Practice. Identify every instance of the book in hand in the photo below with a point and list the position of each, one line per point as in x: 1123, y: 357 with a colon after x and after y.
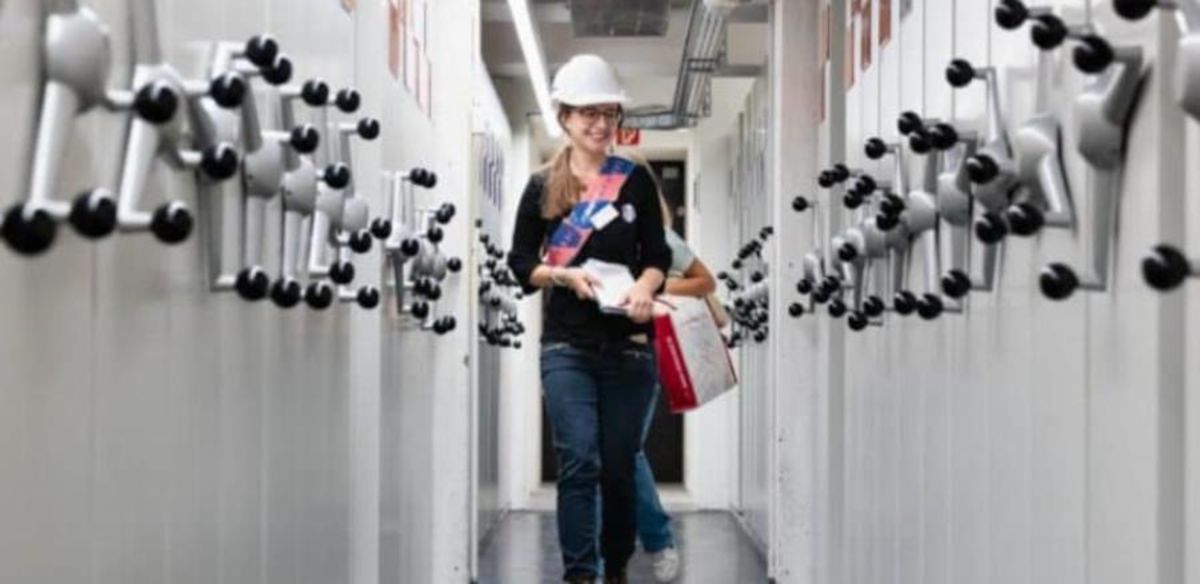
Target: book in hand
x: 615, y: 282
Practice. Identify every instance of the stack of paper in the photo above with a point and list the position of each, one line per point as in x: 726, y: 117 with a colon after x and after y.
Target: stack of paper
x: 615, y: 282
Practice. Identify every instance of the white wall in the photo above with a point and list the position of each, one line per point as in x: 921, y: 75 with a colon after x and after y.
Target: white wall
x: 710, y: 433
x: 156, y: 432
x: 1025, y: 440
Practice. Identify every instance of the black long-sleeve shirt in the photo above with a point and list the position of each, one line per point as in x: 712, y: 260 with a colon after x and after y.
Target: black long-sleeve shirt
x: 634, y: 238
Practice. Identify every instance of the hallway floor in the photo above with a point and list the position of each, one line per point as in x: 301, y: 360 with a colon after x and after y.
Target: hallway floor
x: 712, y: 547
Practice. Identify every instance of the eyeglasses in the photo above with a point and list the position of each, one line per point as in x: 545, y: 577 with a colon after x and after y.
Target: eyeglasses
x: 592, y: 115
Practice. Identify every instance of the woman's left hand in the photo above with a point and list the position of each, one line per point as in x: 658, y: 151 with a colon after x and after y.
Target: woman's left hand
x: 639, y: 304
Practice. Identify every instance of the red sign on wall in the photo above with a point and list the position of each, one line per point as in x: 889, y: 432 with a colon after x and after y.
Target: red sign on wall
x: 629, y: 136
x: 865, y: 19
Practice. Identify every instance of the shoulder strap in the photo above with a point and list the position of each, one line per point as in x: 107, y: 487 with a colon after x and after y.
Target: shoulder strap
x: 575, y: 230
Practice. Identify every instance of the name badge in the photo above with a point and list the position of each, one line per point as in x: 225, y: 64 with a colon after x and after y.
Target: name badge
x: 603, y: 217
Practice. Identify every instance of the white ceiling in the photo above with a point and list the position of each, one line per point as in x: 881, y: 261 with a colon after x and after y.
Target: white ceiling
x: 648, y: 65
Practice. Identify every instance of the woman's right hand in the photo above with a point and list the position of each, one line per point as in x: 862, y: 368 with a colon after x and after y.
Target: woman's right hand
x: 580, y: 281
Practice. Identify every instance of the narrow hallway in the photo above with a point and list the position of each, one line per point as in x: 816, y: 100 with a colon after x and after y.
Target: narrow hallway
x: 714, y: 549
x: 359, y: 291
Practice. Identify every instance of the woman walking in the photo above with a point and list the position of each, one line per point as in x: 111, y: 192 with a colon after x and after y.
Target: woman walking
x: 597, y: 368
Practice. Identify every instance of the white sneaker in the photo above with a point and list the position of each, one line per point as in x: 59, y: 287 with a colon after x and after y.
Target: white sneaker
x: 666, y: 565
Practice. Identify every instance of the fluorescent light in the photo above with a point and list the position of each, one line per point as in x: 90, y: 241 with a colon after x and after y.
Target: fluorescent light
x: 535, y: 62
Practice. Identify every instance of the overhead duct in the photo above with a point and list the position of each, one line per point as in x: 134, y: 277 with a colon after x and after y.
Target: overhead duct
x: 703, y: 55
x: 628, y: 18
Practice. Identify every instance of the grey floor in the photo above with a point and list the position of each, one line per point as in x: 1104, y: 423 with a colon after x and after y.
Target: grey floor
x: 523, y: 549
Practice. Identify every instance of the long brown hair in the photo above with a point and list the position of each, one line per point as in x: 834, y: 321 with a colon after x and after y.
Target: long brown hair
x: 562, y: 187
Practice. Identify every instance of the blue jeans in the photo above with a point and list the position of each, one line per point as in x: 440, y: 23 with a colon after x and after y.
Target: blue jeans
x: 597, y: 400
x: 654, y: 526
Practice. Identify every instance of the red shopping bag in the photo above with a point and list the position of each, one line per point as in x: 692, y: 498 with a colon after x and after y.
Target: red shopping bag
x: 693, y: 362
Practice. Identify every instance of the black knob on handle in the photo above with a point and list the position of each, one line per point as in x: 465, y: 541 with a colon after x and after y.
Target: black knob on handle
x: 381, y: 228
x: 420, y: 310
x: 347, y: 100
x: 865, y: 185
x: 286, y: 293
x: 423, y: 178
x: 368, y: 297
x: 981, y: 169
x: 857, y: 321
x: 909, y: 122
x: 28, y: 235
x: 804, y: 286
x: 454, y: 265
x: 1165, y: 268
x: 1093, y: 54
x: 336, y: 175
x: 1024, y: 219
x: 847, y: 252
x: 94, y: 214
x: 837, y: 308
x: 875, y: 148
x: 445, y: 213
x: 825, y: 179
x: 956, y: 284
x: 892, y: 205
x: 156, y: 103
x: 261, y: 50
x: 304, y: 139
x: 886, y: 222
x: 795, y: 310
x: 1010, y: 15
x: 852, y: 200
x: 1048, y: 31
x: 360, y: 241
x: 942, y: 136
x: 252, y: 284
x: 318, y: 295
x: 904, y: 303
x: 280, y: 72
x: 228, y: 89
x: 799, y: 204
x: 1058, y: 281
x: 831, y: 284
x: 171, y: 223
x: 840, y: 172
x: 929, y: 306
x: 1134, y: 9
x: 435, y: 234
x: 368, y: 128
x: 410, y: 247
x: 341, y: 272
x: 960, y: 73
x: 315, y: 92
x: 220, y: 161
x: 873, y: 306
x: 990, y: 228
x: 919, y: 142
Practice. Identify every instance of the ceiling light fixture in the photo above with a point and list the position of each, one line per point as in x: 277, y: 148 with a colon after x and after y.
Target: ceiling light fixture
x: 535, y: 63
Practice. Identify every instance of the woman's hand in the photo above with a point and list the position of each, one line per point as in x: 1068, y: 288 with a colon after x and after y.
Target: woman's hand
x: 578, y: 280
x: 639, y: 303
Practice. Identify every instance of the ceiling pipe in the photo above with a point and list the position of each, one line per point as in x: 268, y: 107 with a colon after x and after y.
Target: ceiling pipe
x: 704, y: 56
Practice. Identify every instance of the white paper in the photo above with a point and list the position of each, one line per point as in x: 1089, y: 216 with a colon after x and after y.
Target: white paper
x: 615, y: 282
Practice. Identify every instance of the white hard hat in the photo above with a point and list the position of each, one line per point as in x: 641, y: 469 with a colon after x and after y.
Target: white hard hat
x: 586, y: 80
